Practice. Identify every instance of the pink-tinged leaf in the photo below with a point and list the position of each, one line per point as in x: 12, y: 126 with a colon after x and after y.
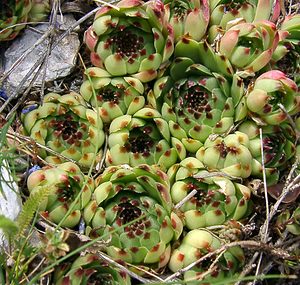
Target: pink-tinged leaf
x: 129, y: 3
x: 276, y: 11
x: 169, y: 48
x: 273, y: 74
x: 145, y: 76
x: 205, y: 10
x: 90, y: 38
x: 103, y: 10
x: 96, y: 60
x: 229, y: 41
x: 283, y: 35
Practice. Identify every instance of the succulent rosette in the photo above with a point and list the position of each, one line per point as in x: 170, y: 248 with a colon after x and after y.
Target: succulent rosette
x: 114, y: 96
x: 65, y: 182
x: 249, y: 46
x: 198, y: 242
x: 132, y: 39
x: 290, y: 221
x: 278, y: 148
x: 140, y: 196
x: 39, y: 10
x: 229, y: 154
x: 89, y: 269
x: 198, y: 102
x: 224, y: 11
x: 268, y: 91
x: 218, y: 276
x: 188, y: 17
x: 65, y: 124
x: 216, y: 201
x: 15, y: 12
x: 287, y: 54
x: 143, y: 137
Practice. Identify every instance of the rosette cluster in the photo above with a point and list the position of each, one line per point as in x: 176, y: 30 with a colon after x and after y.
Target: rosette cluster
x: 183, y: 107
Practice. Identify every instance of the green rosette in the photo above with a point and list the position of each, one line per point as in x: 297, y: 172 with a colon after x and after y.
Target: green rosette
x: 65, y: 124
x: 89, y: 269
x: 132, y: 39
x: 278, y: 147
x: 217, y: 199
x: 143, y: 137
x: 66, y: 182
x: 229, y: 154
x: 197, y: 102
x: 133, y: 207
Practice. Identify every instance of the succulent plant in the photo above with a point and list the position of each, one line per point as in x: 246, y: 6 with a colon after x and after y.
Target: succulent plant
x: 269, y: 90
x: 198, y: 102
x: 39, y: 10
x: 290, y: 221
x: 217, y: 198
x: 143, y: 137
x: 66, y: 125
x: 15, y: 12
x: 217, y: 276
x: 225, y: 11
x: 287, y: 54
x: 11, y: 13
x: 140, y: 195
x: 90, y: 269
x: 188, y: 18
x: 230, y: 154
x: 197, y: 243
x: 134, y: 40
x: 249, y: 46
x: 278, y: 147
x: 114, y: 96
x: 66, y: 182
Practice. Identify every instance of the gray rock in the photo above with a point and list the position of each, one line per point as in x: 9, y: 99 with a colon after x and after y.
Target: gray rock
x: 61, y: 61
x: 10, y: 201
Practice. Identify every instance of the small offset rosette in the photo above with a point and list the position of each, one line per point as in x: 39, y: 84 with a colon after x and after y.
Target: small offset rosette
x: 199, y: 242
x: 143, y: 137
x: 189, y: 18
x: 272, y: 98
x: 65, y: 182
x: 249, y: 46
x: 114, y: 96
x: 89, y: 269
x: 132, y: 39
x: 67, y: 126
x: 225, y: 11
x: 229, y: 154
x: 133, y: 207
x: 16, y: 12
x: 278, y: 148
x: 215, y: 200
